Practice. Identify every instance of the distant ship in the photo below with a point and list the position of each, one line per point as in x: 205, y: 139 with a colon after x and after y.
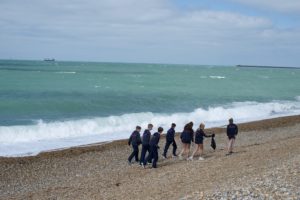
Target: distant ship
x: 49, y: 59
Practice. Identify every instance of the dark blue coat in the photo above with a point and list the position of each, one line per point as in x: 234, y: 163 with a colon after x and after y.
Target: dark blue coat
x: 200, y: 136
x: 135, y: 138
x: 232, y: 130
x: 155, y: 140
x: 146, y: 137
x: 170, y: 135
x: 187, y: 136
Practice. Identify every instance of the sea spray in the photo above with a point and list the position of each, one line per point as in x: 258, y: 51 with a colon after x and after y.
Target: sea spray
x: 68, y: 133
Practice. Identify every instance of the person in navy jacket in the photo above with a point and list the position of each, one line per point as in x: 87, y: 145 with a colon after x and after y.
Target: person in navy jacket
x: 187, y: 137
x: 153, y: 156
x: 199, y: 137
x: 145, y: 143
x: 170, y: 139
x: 135, y: 141
x: 232, y: 131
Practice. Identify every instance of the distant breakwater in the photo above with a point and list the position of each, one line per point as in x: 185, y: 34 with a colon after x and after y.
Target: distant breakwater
x: 265, y: 66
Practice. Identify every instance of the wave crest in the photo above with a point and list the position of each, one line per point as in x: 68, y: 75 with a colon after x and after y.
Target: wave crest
x: 70, y: 133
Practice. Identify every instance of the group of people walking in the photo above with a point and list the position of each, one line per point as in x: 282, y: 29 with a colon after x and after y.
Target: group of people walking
x: 150, y: 143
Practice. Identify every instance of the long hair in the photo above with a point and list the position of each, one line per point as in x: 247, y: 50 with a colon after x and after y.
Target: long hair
x: 189, y: 126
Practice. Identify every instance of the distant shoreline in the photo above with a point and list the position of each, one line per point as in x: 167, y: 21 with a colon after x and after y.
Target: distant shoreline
x: 265, y: 66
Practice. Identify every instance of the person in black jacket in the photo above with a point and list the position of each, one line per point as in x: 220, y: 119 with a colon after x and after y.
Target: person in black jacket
x: 145, y: 143
x: 153, y: 156
x: 170, y: 139
x: 232, y: 131
x: 187, y: 136
x: 135, y: 141
x: 199, y: 137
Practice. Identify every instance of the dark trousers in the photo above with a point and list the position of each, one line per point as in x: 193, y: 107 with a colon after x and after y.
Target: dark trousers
x: 168, y: 143
x: 135, y: 153
x: 145, y: 148
x: 153, y: 156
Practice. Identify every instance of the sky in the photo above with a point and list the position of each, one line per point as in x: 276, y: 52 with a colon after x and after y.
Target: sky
x: 214, y: 32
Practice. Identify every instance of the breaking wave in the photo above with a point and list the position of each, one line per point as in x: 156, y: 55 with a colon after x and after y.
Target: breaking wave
x: 31, y: 139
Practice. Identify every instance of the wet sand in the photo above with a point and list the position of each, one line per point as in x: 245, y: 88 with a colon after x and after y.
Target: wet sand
x: 265, y: 165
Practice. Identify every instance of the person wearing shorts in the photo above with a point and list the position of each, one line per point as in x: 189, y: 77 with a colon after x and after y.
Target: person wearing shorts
x: 187, y: 137
x: 199, y: 137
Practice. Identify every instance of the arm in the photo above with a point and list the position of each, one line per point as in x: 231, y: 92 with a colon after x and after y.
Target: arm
x: 139, y: 141
x: 236, y: 130
x: 227, y: 132
x: 204, y: 134
x: 173, y: 132
x: 157, y: 142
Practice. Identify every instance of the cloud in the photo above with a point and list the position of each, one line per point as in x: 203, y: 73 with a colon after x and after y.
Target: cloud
x: 138, y: 31
x: 292, y: 6
x: 135, y: 18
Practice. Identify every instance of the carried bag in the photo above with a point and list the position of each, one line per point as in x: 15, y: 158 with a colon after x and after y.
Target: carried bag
x: 213, y: 143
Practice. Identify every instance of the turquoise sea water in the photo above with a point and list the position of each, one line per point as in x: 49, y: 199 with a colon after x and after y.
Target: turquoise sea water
x: 56, y: 104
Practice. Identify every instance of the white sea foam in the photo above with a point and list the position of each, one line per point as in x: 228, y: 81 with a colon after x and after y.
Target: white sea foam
x: 217, y: 77
x: 65, y: 72
x: 31, y: 139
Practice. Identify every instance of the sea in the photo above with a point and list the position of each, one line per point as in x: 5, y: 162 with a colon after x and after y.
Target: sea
x: 56, y: 104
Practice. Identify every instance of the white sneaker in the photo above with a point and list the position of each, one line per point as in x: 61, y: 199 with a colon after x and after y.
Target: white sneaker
x: 190, y: 158
x: 180, y: 157
x: 201, y: 158
x: 164, y: 157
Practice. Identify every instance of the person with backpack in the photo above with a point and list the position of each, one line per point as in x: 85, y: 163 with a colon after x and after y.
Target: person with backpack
x: 232, y: 131
x: 187, y: 137
x: 170, y: 139
x: 153, y: 156
x: 145, y: 143
x: 199, y: 137
x: 135, y: 141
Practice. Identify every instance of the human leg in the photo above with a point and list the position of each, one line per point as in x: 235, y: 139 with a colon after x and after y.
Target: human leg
x: 134, y: 153
x: 155, y: 157
x: 232, y: 143
x: 182, y: 149
x: 200, y: 151
x: 166, y: 148
x: 174, y: 147
x: 143, y: 154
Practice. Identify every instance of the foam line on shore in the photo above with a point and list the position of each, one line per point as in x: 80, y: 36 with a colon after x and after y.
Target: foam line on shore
x: 76, y: 150
x: 32, y: 139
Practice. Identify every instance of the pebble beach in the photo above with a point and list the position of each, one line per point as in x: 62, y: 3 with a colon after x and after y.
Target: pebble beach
x: 265, y: 165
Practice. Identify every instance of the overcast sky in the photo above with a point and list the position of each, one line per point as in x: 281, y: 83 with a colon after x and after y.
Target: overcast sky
x: 222, y: 32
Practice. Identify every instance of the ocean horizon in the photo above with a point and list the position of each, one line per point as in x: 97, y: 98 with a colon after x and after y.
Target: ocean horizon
x: 56, y: 104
